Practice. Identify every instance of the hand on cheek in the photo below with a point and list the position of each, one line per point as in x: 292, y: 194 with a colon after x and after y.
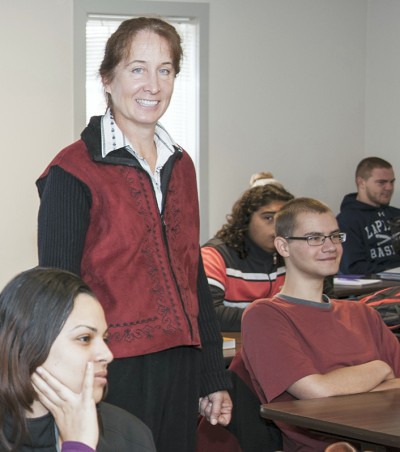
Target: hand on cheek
x: 74, y: 413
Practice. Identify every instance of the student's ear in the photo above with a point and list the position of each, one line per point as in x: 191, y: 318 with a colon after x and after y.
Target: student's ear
x: 360, y: 182
x: 281, y: 246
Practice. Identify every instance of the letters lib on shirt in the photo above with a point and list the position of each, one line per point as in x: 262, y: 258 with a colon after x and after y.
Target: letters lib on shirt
x: 380, y: 230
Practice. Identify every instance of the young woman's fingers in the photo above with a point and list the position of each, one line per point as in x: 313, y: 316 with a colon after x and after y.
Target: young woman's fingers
x: 51, y: 383
x: 87, y: 387
x: 42, y: 396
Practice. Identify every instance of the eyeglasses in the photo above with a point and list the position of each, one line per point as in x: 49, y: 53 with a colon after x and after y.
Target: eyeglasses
x: 318, y: 240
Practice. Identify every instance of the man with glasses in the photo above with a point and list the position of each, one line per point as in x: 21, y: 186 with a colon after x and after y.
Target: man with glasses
x: 302, y: 345
x: 366, y: 217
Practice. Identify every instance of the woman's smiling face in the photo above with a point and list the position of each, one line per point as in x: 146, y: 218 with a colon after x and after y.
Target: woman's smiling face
x: 82, y: 339
x: 142, y: 85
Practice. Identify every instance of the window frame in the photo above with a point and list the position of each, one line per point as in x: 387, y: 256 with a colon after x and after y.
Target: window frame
x: 82, y: 8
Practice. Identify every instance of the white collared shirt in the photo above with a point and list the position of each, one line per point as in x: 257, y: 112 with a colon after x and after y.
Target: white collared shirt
x: 112, y: 138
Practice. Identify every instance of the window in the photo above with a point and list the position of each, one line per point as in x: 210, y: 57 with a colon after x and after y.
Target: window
x: 187, y: 116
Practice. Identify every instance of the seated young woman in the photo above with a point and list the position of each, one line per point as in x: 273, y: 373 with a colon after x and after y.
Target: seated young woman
x: 53, y: 370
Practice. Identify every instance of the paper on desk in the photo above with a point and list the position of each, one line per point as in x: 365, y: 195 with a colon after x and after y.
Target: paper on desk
x: 228, y: 342
x: 354, y: 281
x: 393, y: 274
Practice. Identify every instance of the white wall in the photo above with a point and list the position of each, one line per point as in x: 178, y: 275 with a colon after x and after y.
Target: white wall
x: 382, y: 131
x: 35, y: 118
x: 303, y: 88
x: 287, y: 95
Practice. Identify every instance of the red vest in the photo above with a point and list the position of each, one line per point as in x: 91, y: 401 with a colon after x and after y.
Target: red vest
x: 142, y: 266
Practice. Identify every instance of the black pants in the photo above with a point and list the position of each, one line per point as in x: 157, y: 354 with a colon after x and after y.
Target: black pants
x: 162, y: 389
x: 254, y: 433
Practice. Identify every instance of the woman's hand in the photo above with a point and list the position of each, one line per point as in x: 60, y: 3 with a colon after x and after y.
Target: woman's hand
x: 74, y: 414
x: 216, y: 408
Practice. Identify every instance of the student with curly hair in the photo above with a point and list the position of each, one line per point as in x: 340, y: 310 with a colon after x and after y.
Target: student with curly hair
x: 240, y: 261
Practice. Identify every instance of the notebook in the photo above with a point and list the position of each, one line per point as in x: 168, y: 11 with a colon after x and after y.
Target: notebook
x: 346, y: 281
x: 393, y: 274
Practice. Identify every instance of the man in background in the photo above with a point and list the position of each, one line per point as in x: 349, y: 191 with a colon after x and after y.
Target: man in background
x: 365, y: 217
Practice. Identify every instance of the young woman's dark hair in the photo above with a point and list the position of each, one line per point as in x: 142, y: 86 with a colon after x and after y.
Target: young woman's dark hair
x: 233, y: 232
x: 33, y: 309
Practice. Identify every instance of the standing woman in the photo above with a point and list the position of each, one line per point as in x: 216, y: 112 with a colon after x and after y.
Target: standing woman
x: 119, y: 207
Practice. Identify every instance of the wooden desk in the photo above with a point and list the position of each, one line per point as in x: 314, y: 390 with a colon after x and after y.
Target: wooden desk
x: 347, y: 291
x: 372, y: 418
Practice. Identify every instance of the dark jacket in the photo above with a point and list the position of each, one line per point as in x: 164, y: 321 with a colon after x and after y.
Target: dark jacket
x: 120, y: 432
x: 368, y: 248
x: 236, y: 282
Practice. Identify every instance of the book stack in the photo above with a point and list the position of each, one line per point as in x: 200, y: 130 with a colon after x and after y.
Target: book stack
x: 228, y: 342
